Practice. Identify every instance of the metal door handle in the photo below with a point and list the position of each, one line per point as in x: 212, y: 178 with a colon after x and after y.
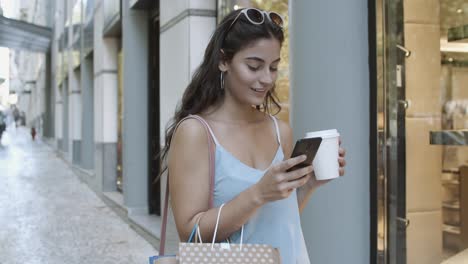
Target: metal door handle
x: 404, y: 103
x: 404, y: 221
x: 407, y: 52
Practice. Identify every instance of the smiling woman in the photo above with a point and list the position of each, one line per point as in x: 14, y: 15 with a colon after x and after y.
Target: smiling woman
x: 253, y: 68
x: 232, y: 99
x: 282, y: 81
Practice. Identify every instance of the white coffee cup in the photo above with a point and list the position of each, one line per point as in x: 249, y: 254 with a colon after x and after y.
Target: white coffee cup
x: 326, y: 160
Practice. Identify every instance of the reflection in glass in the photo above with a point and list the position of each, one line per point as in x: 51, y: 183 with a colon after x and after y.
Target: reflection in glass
x: 119, y: 180
x: 111, y: 16
x: 428, y: 111
x: 454, y: 99
x: 59, y: 70
x: 88, y: 26
x: 76, y: 33
x: 34, y: 12
x: 381, y: 150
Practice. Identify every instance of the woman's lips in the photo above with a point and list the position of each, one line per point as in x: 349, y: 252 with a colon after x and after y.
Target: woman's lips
x: 258, y: 90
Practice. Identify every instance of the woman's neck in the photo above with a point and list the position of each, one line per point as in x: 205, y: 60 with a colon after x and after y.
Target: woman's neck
x: 231, y: 111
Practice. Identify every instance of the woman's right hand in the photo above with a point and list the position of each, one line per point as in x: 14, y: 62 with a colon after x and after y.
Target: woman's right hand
x: 278, y: 184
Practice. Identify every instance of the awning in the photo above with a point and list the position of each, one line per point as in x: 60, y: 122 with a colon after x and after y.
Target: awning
x: 16, y: 34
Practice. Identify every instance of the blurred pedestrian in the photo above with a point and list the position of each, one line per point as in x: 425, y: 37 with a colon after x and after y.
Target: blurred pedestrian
x: 3, y: 124
x: 33, y: 133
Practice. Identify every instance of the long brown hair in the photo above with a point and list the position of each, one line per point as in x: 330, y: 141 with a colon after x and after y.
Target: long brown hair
x: 204, y: 89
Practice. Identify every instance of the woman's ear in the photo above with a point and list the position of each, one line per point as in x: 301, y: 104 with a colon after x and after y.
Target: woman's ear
x: 223, y: 64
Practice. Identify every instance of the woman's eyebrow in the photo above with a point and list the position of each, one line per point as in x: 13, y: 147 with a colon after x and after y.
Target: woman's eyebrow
x: 260, y: 59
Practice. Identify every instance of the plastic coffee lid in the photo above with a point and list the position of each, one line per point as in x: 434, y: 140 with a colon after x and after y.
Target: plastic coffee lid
x: 323, y: 134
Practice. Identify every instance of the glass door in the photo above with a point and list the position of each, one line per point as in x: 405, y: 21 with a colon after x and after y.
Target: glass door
x: 391, y: 107
x: 422, y: 131
x: 154, y: 187
x: 120, y: 106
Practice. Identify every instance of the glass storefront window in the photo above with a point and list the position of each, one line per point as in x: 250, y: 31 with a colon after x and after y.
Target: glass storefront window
x: 59, y: 68
x: 120, y: 106
x: 35, y: 12
x: 112, y: 18
x: 76, y: 33
x: 88, y: 26
x: 65, y: 57
x: 281, y: 7
x: 422, y: 128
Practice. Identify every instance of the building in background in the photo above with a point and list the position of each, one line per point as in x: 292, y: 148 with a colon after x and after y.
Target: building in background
x: 27, y: 71
x: 104, y: 91
x: 118, y: 68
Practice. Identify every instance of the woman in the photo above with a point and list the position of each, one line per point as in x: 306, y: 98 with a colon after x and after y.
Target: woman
x: 233, y: 91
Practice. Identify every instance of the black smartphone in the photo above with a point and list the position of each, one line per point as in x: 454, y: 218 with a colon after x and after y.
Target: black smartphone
x: 308, y: 147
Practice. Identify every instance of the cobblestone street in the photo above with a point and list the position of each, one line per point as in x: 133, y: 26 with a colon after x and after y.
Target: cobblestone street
x: 47, y: 215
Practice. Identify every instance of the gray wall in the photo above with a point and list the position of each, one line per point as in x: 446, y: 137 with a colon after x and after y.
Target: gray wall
x: 87, y: 93
x: 135, y: 116
x: 105, y: 96
x: 65, y: 109
x: 330, y: 89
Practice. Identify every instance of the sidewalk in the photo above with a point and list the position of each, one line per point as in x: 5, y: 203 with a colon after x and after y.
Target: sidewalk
x: 48, y: 216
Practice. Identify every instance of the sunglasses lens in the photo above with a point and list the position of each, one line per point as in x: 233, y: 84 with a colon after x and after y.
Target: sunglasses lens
x: 255, y: 15
x: 276, y: 19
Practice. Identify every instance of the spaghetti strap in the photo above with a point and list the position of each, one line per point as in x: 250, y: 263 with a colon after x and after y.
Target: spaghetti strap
x: 209, y: 128
x: 277, y: 129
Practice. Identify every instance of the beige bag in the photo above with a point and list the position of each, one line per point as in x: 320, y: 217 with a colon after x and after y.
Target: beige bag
x: 192, y: 253
x: 226, y: 253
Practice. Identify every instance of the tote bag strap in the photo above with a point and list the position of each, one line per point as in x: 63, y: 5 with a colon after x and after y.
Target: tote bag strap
x: 211, y: 153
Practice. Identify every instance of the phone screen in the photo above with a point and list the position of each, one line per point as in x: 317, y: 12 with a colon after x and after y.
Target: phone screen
x: 308, y: 147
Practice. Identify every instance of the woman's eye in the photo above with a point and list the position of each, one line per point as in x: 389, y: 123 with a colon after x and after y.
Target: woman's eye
x: 273, y: 69
x: 253, y: 68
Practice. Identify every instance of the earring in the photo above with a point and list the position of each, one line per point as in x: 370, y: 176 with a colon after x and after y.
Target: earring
x: 221, y: 80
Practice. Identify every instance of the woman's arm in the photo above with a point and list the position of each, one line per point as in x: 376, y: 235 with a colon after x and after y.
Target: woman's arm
x: 303, y: 195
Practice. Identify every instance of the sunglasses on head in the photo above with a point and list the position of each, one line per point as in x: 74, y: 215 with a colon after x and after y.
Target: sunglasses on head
x: 257, y: 17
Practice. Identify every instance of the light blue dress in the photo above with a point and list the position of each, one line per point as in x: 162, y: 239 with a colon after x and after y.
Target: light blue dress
x: 276, y: 223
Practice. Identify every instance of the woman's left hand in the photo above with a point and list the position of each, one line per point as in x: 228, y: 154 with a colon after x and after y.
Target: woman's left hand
x: 313, y: 183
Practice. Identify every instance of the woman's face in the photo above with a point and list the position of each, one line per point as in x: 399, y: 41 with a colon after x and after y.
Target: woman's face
x: 252, y: 72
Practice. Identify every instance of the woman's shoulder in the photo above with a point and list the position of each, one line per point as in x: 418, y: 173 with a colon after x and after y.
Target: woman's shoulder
x: 190, y: 131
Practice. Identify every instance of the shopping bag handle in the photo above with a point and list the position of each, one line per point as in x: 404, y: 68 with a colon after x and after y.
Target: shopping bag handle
x: 196, y: 230
x: 211, y: 151
x: 216, y: 230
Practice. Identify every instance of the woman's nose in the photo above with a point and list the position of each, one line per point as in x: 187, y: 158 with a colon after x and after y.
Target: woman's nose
x: 267, y: 77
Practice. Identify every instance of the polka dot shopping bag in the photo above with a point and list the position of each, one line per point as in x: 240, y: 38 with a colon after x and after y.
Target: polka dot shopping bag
x: 226, y: 253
